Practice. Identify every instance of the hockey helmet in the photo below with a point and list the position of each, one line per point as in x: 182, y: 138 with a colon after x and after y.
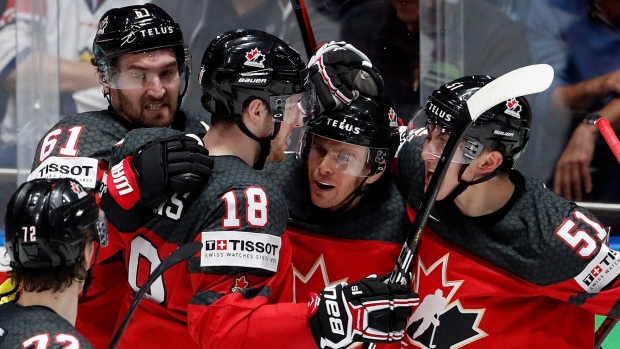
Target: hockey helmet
x: 504, y: 127
x: 45, y: 220
x: 368, y: 123
x: 244, y: 62
x: 138, y: 28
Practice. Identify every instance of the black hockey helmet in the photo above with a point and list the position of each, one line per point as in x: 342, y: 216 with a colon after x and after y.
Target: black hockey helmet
x: 368, y: 122
x: 242, y: 63
x: 45, y: 220
x: 138, y: 28
x: 504, y: 127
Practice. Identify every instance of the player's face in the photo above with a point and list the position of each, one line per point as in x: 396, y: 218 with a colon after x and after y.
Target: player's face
x: 147, y: 87
x: 330, y: 184
x: 293, y: 118
x: 433, y: 148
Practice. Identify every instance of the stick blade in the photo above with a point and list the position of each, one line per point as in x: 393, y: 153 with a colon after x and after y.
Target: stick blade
x: 519, y: 82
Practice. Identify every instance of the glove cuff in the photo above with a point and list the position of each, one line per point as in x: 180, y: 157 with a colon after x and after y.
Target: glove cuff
x: 122, y: 183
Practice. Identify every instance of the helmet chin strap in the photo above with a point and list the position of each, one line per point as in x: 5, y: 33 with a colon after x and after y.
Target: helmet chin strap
x: 460, y: 188
x: 265, y: 143
x: 354, y: 195
x: 89, y: 273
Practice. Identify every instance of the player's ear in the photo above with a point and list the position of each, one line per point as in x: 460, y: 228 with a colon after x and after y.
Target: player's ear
x: 256, y: 111
x: 490, y: 161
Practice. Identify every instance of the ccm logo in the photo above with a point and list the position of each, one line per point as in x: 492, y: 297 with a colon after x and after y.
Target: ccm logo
x: 121, y: 183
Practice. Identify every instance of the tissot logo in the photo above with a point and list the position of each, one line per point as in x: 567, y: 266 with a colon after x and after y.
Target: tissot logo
x: 241, y: 246
x: 241, y: 249
x: 440, y: 113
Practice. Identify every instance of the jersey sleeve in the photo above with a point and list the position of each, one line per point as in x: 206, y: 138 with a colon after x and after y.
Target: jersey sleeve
x: 581, y: 246
x: 244, y: 271
x: 78, y: 149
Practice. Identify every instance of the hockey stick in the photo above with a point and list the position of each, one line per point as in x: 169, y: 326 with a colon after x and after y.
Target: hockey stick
x: 179, y: 255
x: 610, y: 137
x: 303, y: 20
x: 519, y: 82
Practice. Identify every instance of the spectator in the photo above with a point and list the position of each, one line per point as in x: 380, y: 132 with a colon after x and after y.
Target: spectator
x: 491, y: 46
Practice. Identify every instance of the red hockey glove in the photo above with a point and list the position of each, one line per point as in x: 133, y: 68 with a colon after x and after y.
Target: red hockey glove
x: 339, y: 72
x: 176, y: 164
x: 366, y: 311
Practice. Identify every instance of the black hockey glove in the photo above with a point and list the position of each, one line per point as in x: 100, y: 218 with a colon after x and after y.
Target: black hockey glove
x: 176, y: 164
x: 339, y: 72
x: 366, y: 311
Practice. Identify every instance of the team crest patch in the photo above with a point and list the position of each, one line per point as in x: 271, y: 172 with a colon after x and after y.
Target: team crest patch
x: 255, y: 58
x: 241, y: 283
x: 102, y: 25
x: 513, y: 108
x: 393, y: 118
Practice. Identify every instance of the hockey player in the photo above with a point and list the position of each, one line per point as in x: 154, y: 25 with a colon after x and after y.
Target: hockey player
x: 343, y: 206
x: 142, y: 65
x: 506, y: 262
x: 52, y: 226
x: 237, y: 292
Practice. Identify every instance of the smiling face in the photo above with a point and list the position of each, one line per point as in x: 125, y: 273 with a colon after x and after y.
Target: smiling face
x: 144, y: 87
x: 335, y: 171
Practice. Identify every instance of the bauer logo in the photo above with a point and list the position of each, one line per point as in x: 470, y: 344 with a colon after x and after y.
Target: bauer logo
x: 83, y: 170
x: 602, y: 270
x: 240, y: 249
x: 252, y: 81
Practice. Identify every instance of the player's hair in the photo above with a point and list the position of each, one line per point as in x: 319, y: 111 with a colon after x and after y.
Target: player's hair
x: 56, y: 279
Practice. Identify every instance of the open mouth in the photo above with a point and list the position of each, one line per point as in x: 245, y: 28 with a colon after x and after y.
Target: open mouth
x: 154, y: 106
x: 323, y: 185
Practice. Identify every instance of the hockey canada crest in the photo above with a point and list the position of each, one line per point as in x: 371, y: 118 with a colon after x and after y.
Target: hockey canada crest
x: 513, y: 108
x: 255, y: 58
x: 102, y: 25
x: 393, y: 118
x: 241, y: 283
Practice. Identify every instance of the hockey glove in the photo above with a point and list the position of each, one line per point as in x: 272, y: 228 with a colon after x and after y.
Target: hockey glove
x: 366, y: 311
x: 339, y: 72
x: 176, y: 164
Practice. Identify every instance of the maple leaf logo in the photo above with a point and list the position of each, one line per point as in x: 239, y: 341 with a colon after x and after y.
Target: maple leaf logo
x: 255, y: 58
x: 241, y: 283
x: 102, y: 25
x: 250, y: 55
x: 393, y: 117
